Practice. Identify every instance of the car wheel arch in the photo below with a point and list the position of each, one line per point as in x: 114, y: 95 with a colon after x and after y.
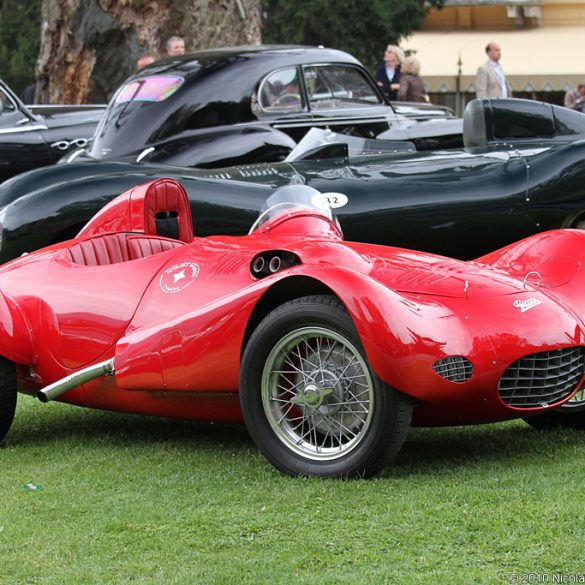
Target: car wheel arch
x: 577, y: 221
x: 281, y: 292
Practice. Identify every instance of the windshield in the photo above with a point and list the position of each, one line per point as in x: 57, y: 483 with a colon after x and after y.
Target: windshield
x: 290, y: 199
x: 322, y: 144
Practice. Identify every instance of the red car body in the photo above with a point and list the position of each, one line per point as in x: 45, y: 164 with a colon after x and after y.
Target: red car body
x: 459, y: 342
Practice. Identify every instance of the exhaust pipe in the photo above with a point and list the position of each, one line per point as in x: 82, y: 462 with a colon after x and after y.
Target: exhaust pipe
x: 258, y: 265
x: 57, y: 388
x: 274, y: 264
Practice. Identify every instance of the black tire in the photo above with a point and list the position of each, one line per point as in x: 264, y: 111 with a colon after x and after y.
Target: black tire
x: 7, y: 395
x: 336, y: 418
x: 563, y: 417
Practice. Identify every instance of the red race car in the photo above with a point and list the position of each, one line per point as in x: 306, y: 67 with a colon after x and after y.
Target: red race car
x: 325, y: 348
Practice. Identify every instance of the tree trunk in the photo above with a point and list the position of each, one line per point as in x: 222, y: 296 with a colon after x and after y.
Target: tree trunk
x: 89, y: 47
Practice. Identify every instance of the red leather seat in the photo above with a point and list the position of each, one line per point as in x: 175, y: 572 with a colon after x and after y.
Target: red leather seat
x: 114, y: 248
x: 167, y: 211
x: 141, y: 246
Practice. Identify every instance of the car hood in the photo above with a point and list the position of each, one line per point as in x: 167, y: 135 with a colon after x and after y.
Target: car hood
x: 417, y: 273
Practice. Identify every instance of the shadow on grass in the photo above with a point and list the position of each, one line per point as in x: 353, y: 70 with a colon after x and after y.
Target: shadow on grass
x: 55, y: 422
x: 429, y: 450
x: 432, y: 450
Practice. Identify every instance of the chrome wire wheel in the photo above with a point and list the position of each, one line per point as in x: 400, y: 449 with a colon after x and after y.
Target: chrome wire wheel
x: 311, y: 401
x: 317, y: 393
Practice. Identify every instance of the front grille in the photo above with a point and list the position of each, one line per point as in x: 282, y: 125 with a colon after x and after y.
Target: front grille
x: 542, y: 378
x: 454, y: 368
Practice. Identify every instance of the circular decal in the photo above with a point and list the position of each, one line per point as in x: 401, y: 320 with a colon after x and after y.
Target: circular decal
x: 178, y: 277
x: 331, y: 200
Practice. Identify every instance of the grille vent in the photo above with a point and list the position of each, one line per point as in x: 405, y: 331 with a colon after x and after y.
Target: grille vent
x: 454, y: 368
x: 542, y: 378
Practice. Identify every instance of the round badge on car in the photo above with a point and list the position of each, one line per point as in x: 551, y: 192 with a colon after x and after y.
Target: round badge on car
x: 178, y: 277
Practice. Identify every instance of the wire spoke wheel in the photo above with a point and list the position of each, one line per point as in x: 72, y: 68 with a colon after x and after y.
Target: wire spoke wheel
x: 317, y: 393
x: 310, y: 399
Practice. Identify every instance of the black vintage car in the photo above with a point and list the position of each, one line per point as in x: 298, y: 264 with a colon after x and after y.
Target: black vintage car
x: 242, y: 105
x: 36, y: 136
x: 522, y: 172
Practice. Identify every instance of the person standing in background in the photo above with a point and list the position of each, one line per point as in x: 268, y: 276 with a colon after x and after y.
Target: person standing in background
x: 144, y: 61
x: 491, y: 81
x: 575, y: 97
x: 387, y: 75
x: 412, y: 87
x: 175, y: 46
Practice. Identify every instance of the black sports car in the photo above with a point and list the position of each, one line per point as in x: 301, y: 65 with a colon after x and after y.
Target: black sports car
x: 242, y: 105
x: 522, y: 172
x: 36, y: 136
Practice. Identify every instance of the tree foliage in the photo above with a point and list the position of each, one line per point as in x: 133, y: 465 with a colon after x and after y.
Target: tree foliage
x: 20, y: 25
x: 360, y: 28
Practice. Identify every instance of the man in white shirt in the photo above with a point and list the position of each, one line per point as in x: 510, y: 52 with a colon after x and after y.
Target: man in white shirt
x: 491, y: 81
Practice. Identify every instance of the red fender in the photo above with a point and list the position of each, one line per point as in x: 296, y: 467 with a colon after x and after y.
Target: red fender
x: 394, y: 330
x: 16, y: 342
x: 557, y: 256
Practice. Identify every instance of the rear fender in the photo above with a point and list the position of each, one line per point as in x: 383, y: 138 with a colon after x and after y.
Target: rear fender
x: 553, y: 261
x: 223, y: 147
x: 16, y: 342
x: 547, y: 260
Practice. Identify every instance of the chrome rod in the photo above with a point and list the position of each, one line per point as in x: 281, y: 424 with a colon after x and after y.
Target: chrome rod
x: 57, y: 388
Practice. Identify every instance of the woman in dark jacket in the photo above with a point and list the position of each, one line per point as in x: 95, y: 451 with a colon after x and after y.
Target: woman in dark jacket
x: 387, y: 75
x: 412, y: 87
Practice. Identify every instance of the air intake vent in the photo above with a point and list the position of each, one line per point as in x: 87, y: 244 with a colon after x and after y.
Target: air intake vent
x: 542, y: 378
x: 454, y: 368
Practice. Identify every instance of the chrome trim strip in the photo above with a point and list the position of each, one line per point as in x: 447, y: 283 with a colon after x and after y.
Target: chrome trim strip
x: 330, y: 122
x: 15, y: 129
x: 74, y: 155
x: 145, y: 153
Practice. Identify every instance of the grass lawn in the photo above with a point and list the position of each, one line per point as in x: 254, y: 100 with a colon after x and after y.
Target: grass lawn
x: 130, y: 499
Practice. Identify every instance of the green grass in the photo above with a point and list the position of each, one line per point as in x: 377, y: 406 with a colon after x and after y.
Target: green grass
x: 131, y: 499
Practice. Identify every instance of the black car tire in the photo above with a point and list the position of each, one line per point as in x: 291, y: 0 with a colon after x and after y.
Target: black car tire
x: 564, y: 417
x: 8, y: 394
x: 311, y: 402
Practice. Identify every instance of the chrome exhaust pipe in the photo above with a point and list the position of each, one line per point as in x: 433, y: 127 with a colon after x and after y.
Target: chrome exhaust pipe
x: 57, y: 388
x: 274, y: 264
x: 258, y: 265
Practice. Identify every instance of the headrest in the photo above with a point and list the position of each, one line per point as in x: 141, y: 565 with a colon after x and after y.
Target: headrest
x: 160, y: 207
x: 474, y: 125
x: 167, y: 211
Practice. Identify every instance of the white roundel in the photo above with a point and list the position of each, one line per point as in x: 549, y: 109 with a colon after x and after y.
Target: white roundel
x: 329, y: 200
x: 178, y: 277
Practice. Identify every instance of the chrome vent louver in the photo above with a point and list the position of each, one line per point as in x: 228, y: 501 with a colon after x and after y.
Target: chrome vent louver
x: 542, y: 378
x: 454, y: 368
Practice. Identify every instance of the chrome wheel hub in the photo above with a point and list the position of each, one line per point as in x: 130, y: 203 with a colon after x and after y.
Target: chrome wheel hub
x: 317, y: 393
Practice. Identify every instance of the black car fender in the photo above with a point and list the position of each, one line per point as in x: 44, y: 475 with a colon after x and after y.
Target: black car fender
x: 227, y: 146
